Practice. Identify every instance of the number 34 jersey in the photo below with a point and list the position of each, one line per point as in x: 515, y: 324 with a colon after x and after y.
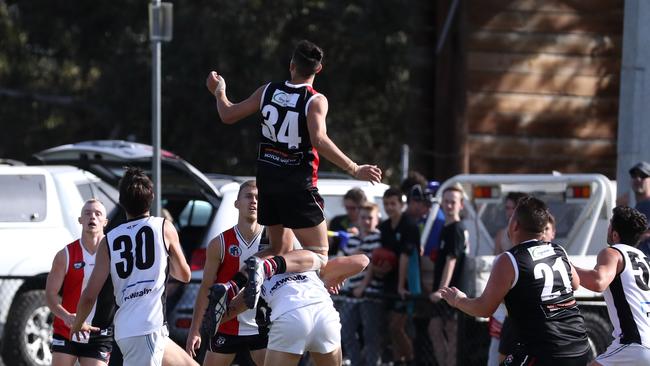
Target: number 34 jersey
x: 139, y: 267
x: 286, y: 159
x: 541, y: 303
x: 628, y: 298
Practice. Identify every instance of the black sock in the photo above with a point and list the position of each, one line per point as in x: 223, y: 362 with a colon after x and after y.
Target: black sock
x: 281, y: 264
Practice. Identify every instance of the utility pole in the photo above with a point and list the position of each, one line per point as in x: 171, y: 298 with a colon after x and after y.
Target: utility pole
x: 160, y: 29
x: 634, y: 109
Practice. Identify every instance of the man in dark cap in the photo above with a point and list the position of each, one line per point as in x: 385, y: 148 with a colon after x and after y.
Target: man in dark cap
x: 639, y: 197
x: 640, y: 186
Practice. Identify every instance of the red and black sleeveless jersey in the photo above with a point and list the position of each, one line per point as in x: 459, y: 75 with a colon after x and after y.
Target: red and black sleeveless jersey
x: 234, y: 251
x: 286, y: 160
x: 541, y: 303
x: 79, y: 266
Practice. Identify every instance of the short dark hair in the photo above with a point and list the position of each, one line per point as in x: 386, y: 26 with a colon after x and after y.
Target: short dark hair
x: 629, y: 223
x: 356, y: 195
x: 532, y: 214
x: 307, y: 57
x: 393, y: 192
x: 136, y: 191
x: 515, y: 196
x: 413, y: 178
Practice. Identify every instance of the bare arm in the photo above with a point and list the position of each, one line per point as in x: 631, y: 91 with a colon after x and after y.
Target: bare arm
x: 361, y: 287
x: 179, y: 269
x: 608, y: 264
x: 496, y: 289
x: 232, y: 112
x: 326, y: 147
x: 53, y: 286
x: 212, y: 264
x: 447, y: 271
x: 95, y: 283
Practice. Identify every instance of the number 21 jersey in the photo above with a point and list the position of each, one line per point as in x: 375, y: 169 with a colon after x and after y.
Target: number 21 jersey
x: 286, y: 160
x: 139, y: 267
x: 541, y: 303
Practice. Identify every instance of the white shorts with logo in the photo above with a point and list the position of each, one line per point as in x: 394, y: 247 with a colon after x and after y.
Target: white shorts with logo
x: 144, y: 350
x: 632, y: 354
x: 315, y: 328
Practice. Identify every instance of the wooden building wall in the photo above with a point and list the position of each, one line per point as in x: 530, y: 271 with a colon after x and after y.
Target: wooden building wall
x: 542, y: 85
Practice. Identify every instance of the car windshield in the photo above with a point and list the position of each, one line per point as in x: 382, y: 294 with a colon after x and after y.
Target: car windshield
x: 23, y: 198
x: 484, y: 216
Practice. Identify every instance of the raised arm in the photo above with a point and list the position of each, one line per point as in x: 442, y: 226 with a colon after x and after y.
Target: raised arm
x: 212, y: 264
x: 326, y: 147
x: 178, y: 267
x: 53, y: 286
x: 232, y: 112
x: 497, y: 287
x: 608, y: 264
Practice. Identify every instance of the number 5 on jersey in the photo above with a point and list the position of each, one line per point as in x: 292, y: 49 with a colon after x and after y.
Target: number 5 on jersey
x: 288, y: 133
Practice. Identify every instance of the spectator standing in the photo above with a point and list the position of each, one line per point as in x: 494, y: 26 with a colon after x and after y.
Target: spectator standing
x: 400, y: 234
x: 639, y: 187
x: 358, y: 313
x: 443, y: 328
x: 639, y: 198
x: 501, y: 241
x: 348, y: 222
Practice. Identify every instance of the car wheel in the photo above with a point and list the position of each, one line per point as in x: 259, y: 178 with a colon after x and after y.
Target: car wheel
x: 28, y: 332
x: 599, y: 332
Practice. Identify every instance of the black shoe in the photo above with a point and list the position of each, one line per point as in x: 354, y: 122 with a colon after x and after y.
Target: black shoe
x: 255, y: 273
x: 217, y: 307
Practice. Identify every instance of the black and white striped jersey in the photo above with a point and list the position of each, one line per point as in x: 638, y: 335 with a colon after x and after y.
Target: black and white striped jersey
x: 628, y: 298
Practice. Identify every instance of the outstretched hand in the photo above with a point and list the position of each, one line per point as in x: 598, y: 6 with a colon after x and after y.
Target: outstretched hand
x: 371, y: 173
x: 452, y: 295
x: 215, y: 83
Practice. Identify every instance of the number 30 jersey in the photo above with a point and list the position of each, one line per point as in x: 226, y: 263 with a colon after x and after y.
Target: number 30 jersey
x: 628, y: 298
x: 139, y: 267
x: 286, y: 160
x: 541, y: 303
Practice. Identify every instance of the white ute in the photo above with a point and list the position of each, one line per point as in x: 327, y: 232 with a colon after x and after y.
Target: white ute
x: 582, y: 205
x: 38, y: 216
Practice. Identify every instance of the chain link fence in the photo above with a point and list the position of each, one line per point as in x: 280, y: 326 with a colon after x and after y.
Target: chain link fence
x: 374, y: 333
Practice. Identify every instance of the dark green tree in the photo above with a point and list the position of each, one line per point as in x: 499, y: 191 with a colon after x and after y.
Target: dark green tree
x: 72, y: 71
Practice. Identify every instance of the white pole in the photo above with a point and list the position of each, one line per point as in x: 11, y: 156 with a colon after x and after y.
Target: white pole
x: 405, y: 161
x: 155, y: 109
